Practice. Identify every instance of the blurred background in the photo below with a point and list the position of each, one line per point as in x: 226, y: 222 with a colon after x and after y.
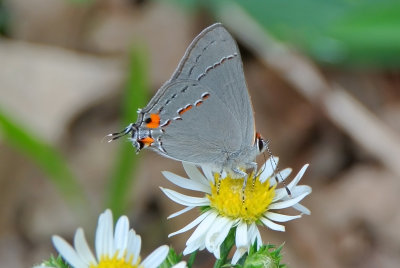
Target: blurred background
x: 325, y: 83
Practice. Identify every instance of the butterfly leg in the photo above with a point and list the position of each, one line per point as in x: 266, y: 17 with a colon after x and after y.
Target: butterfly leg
x: 237, y: 173
x: 253, y: 166
x: 241, y: 174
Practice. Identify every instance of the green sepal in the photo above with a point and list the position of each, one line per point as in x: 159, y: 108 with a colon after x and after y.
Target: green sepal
x: 172, y: 259
x: 55, y: 263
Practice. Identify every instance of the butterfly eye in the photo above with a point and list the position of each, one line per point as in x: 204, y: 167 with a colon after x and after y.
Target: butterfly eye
x: 262, y: 144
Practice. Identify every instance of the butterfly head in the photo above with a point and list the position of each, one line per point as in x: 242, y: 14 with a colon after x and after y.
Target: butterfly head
x: 261, y: 144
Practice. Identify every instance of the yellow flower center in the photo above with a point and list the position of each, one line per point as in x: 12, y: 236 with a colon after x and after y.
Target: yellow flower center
x: 116, y: 262
x: 230, y: 199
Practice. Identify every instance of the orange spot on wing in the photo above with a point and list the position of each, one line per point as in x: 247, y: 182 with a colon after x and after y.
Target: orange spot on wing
x: 154, y: 122
x: 199, y: 103
x: 147, y: 141
x: 185, y: 109
x: 205, y: 96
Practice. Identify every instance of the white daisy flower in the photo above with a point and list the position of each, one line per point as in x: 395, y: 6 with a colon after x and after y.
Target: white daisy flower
x: 117, y: 249
x: 225, y: 204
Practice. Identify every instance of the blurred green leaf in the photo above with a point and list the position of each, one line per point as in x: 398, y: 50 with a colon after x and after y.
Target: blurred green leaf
x: 333, y: 32
x: 46, y: 157
x: 4, y: 19
x: 372, y: 33
x: 135, y: 96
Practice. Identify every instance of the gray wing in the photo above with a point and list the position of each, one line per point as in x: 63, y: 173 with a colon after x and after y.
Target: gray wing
x: 213, y: 59
x: 205, y: 133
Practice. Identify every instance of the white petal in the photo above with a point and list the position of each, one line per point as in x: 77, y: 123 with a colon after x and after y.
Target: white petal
x: 98, y: 237
x: 192, y: 224
x: 241, y: 238
x: 186, y: 183
x: 283, y: 174
x: 134, y: 246
x: 302, y: 209
x: 109, y: 242
x: 281, y: 194
x: 252, y: 233
x: 67, y: 252
x: 156, y: 258
x: 236, y: 256
x: 180, y: 212
x: 195, y: 174
x: 268, y: 168
x: 273, y: 225
x: 203, y: 227
x: 212, y: 242
x: 279, y: 217
x: 298, y: 177
x: 82, y: 248
x: 197, y: 244
x: 224, y: 233
x: 297, y: 190
x: 300, y: 189
x: 137, y: 242
x: 185, y: 199
x: 121, y: 235
x: 208, y: 172
x: 258, y: 237
x: 218, y: 240
x: 241, y: 241
x: 104, y: 235
x: 287, y: 203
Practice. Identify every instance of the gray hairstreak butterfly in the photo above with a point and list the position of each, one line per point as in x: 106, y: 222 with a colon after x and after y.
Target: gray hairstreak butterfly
x: 202, y: 115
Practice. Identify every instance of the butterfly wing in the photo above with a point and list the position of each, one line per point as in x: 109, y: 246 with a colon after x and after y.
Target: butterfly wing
x: 205, y: 110
x: 213, y: 59
x: 201, y: 129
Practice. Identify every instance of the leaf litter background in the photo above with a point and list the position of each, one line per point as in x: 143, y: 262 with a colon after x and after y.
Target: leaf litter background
x: 324, y: 81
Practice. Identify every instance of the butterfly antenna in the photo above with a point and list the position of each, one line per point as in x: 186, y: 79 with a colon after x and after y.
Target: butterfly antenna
x: 114, y: 136
x: 277, y: 169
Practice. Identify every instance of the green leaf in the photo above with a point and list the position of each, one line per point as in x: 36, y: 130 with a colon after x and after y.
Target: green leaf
x: 336, y: 32
x: 46, y: 157
x: 135, y: 96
